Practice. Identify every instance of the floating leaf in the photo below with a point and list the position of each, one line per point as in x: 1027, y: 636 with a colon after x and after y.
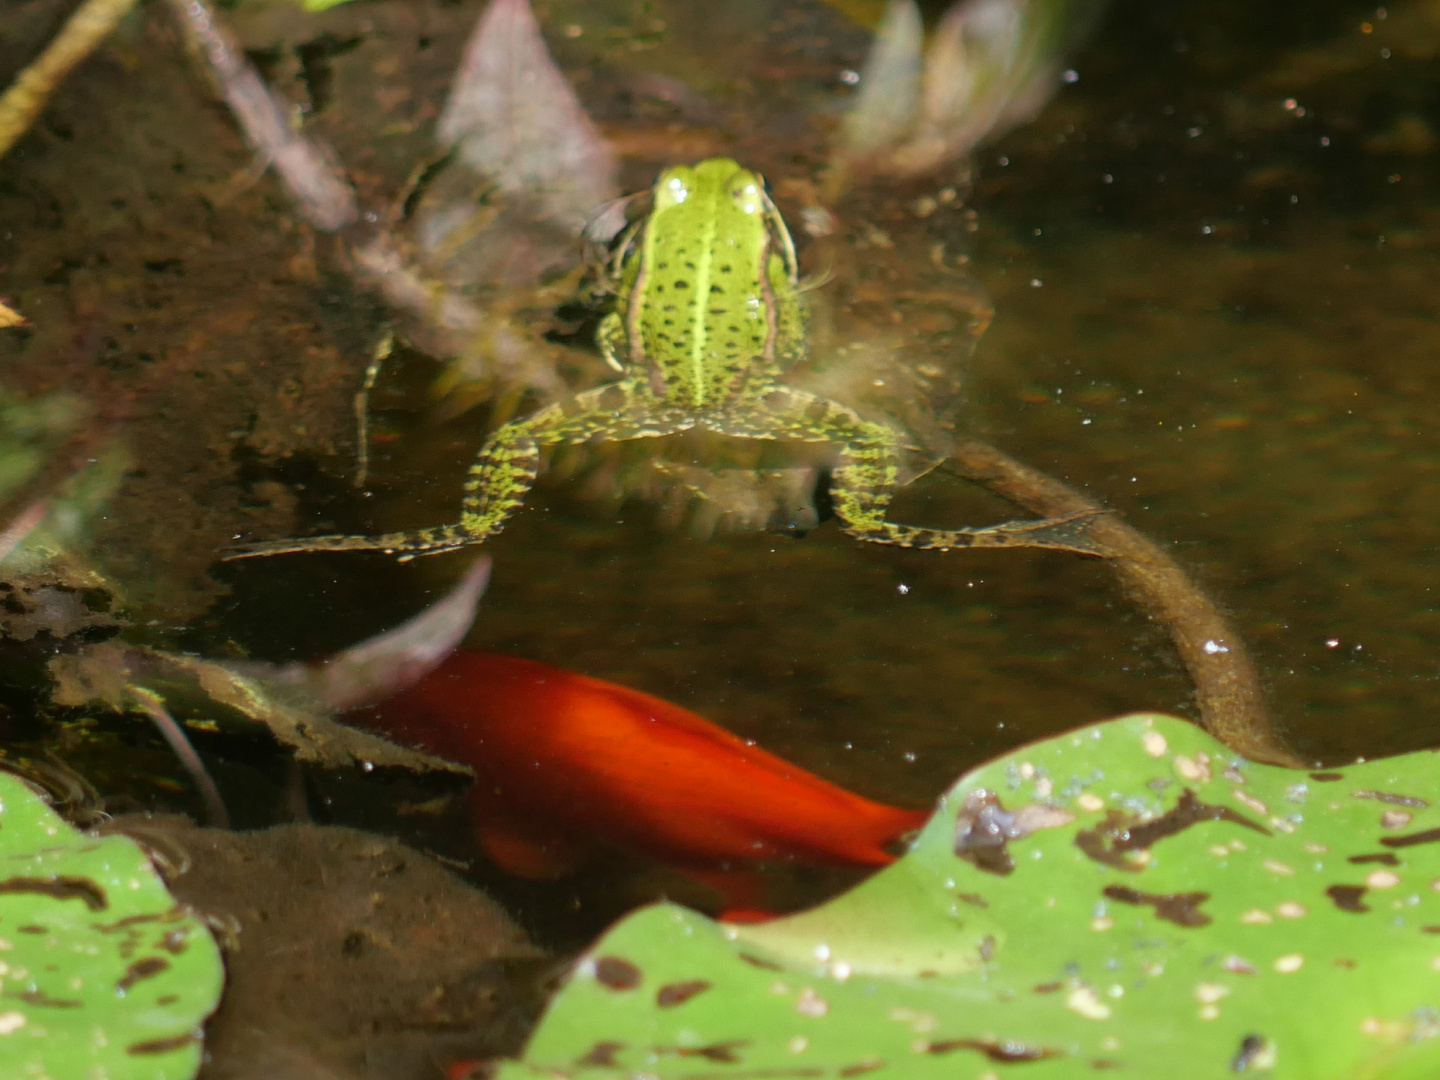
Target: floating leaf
x: 103, y: 973
x: 1130, y: 899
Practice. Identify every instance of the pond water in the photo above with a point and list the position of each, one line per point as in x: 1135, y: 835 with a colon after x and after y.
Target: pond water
x: 1211, y: 260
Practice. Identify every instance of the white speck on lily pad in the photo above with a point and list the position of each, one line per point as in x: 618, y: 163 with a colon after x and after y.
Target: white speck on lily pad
x: 1196, y: 769
x: 1085, y: 1002
x: 1207, y: 993
x: 809, y: 1003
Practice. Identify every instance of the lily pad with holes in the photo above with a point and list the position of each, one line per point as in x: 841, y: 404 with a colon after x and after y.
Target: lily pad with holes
x: 102, y: 973
x: 1127, y: 900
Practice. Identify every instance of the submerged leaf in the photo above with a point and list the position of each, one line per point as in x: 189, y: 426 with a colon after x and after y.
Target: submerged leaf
x: 311, y: 734
x: 393, y: 661
x: 487, y: 247
x: 889, y: 97
x: 514, y: 118
x: 1147, y: 898
x: 189, y: 685
x: 991, y: 64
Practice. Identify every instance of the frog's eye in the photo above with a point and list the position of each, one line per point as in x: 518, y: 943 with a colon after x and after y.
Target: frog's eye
x: 678, y: 191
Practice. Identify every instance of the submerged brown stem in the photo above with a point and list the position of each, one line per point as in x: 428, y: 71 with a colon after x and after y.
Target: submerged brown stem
x: 151, y: 704
x: 1227, y: 687
x: 32, y: 88
x: 322, y: 194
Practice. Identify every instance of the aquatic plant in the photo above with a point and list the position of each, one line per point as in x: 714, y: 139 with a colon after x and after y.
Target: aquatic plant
x: 23, y: 101
x: 1130, y: 897
x: 103, y: 974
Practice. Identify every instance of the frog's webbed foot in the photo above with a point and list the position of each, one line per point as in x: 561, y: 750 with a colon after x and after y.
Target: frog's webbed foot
x: 1071, y: 533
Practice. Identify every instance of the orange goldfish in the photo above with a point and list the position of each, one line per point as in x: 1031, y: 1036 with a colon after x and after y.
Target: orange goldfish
x: 563, y: 761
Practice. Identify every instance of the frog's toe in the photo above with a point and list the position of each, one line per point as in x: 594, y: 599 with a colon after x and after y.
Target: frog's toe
x: 1073, y: 532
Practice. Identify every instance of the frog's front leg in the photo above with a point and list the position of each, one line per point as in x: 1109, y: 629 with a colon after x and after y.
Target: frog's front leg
x: 866, y: 477
x: 504, y: 472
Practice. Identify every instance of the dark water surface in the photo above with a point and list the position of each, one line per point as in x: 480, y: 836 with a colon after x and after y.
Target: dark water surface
x: 1212, y: 261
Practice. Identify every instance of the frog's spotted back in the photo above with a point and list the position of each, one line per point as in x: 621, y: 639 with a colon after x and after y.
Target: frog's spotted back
x: 698, y: 292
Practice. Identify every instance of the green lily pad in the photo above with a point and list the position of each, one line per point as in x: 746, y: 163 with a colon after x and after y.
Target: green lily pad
x: 102, y: 974
x: 1128, y: 900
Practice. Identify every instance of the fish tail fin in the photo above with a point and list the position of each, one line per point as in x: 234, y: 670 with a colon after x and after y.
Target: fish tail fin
x: 745, y: 915
x: 519, y: 848
x: 743, y: 892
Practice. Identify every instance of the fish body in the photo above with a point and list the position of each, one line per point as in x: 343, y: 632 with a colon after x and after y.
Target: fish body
x: 566, y: 763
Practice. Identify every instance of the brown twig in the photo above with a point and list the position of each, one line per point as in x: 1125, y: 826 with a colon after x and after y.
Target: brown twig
x: 317, y: 185
x: 1227, y: 687
x: 153, y: 706
x: 32, y: 88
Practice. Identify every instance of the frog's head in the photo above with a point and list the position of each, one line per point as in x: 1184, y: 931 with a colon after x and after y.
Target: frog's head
x: 711, y: 177
x: 721, y: 187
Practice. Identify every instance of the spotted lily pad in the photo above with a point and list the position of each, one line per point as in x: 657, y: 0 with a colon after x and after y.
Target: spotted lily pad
x: 102, y: 974
x: 1128, y: 900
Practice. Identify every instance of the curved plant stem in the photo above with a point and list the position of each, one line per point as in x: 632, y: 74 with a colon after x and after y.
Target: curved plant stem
x: 26, y: 522
x: 1227, y: 687
x: 151, y: 704
x: 77, y: 39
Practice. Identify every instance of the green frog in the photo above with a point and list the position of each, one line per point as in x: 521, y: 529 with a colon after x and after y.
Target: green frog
x: 708, y: 318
